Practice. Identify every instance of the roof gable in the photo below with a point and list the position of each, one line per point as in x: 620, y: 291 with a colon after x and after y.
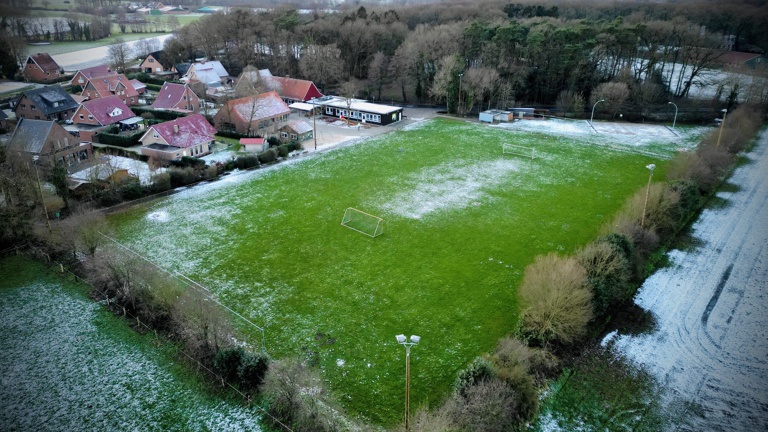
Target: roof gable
x: 30, y: 135
x: 108, y: 84
x: 258, y: 107
x: 169, y: 96
x: 50, y: 99
x: 215, y: 65
x: 97, y: 71
x: 108, y: 110
x: 44, y: 61
x: 157, y: 55
x: 184, y: 132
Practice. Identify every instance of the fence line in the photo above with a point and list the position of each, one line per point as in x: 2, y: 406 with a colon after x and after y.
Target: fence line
x: 127, y: 314
x: 194, y: 284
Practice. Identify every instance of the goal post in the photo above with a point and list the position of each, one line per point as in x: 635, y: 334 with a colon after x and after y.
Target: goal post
x: 363, y: 222
x: 518, y: 150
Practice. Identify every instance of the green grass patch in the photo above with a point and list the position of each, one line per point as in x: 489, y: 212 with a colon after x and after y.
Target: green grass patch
x: 68, y: 364
x: 462, y: 223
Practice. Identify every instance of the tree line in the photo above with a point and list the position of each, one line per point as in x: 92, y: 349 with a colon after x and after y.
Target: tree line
x: 495, y: 54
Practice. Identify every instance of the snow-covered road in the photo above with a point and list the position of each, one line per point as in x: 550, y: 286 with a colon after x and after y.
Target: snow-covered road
x: 711, y: 342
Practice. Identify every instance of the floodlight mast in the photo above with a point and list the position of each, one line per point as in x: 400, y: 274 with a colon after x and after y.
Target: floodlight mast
x: 407, y: 344
x: 651, y: 167
x: 675, y: 119
x: 593, y: 111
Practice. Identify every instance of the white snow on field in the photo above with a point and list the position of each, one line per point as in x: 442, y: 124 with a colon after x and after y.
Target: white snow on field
x: 62, y: 369
x: 711, y: 346
x: 631, y: 135
x: 448, y: 186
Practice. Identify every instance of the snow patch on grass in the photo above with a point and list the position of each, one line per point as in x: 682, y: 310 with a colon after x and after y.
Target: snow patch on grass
x: 449, y: 186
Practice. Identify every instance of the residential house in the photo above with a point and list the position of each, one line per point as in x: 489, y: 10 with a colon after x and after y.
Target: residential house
x: 359, y: 110
x: 156, y: 62
x: 46, y: 143
x: 260, y: 114
x: 290, y: 89
x: 742, y: 59
x: 111, y: 85
x: 209, y: 73
x: 177, y: 97
x: 254, y: 145
x: 46, y: 103
x: 102, y: 112
x: 41, y: 68
x: 186, y: 136
x: 297, y: 130
x: 82, y: 76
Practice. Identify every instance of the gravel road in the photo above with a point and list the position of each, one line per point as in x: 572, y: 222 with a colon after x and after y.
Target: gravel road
x: 711, y: 342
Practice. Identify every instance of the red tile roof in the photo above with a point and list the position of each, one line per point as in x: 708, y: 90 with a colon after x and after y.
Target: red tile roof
x: 255, y: 108
x: 45, y: 61
x: 735, y: 57
x: 297, y: 89
x: 108, y: 110
x: 169, y: 96
x: 106, y: 85
x: 97, y: 71
x: 189, y: 131
x: 245, y: 141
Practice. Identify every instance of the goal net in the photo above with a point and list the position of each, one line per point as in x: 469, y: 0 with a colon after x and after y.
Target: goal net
x: 517, y: 150
x: 363, y: 222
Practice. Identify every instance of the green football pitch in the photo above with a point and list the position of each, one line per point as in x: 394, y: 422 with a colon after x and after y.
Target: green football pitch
x: 462, y: 221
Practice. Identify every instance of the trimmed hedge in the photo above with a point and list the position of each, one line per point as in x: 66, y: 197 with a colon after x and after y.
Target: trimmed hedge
x: 161, y: 115
x: 119, y: 140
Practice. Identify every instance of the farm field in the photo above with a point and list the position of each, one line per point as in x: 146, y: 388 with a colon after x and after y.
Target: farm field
x: 461, y: 224
x: 68, y: 364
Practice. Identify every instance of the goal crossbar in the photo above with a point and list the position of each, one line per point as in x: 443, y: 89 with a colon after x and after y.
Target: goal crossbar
x: 362, y: 222
x: 518, y: 150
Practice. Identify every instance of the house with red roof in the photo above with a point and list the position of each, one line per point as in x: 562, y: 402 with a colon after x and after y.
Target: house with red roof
x: 186, y: 136
x: 41, y: 68
x: 102, y: 112
x: 177, y: 97
x: 295, y: 90
x: 82, y: 76
x: 260, y: 114
x: 111, y: 85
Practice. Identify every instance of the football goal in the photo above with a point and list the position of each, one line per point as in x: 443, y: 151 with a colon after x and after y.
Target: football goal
x: 363, y: 222
x: 512, y: 149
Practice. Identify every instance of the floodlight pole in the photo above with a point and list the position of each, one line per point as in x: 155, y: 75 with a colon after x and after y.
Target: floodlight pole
x: 593, y: 111
x: 675, y: 119
x: 647, y: 192
x: 720, y: 135
x: 314, y: 124
x: 459, y: 107
x: 402, y: 341
x: 42, y: 198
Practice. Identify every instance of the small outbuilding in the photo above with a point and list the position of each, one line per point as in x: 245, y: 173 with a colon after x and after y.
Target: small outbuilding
x: 496, y: 116
x: 254, y: 145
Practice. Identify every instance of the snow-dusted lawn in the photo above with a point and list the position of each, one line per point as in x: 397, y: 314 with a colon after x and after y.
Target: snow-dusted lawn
x: 68, y: 365
x: 711, y: 347
x: 461, y: 223
x: 107, y: 164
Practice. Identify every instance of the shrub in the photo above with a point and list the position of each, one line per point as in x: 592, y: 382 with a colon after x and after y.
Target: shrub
x: 268, y: 156
x: 228, y: 361
x: 687, y: 166
x: 489, y: 406
x: 660, y: 204
x: 273, y: 141
x: 644, y: 240
x: 246, y: 161
x: 161, y: 182
x: 187, y: 161
x: 252, y: 370
x: 108, y: 197
x: 511, y: 353
x: 296, y: 397
x: 131, y: 190
x: 284, y: 149
x: 183, y: 176
x: 609, y: 274
x: 479, y: 370
x: 556, y: 300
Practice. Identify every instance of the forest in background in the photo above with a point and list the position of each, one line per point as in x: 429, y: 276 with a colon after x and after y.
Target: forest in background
x: 498, y: 54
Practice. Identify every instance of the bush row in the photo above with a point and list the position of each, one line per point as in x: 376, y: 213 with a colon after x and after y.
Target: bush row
x: 158, y: 114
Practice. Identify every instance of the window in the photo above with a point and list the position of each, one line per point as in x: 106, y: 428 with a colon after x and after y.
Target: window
x: 23, y: 106
x: 81, y: 117
x: 33, y: 107
x: 90, y: 117
x: 81, y: 80
x: 151, y: 60
x: 283, y: 134
x: 155, y: 135
x: 293, y: 136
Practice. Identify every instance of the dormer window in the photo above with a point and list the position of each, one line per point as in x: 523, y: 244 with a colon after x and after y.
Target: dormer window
x: 116, y: 112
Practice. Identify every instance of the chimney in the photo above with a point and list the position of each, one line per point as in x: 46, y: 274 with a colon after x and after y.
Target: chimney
x: 175, y: 128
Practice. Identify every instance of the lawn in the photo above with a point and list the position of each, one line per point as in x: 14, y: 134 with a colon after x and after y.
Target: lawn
x: 461, y: 224
x: 68, y: 364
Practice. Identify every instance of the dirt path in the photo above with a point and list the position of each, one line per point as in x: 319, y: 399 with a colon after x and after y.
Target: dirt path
x: 711, y: 344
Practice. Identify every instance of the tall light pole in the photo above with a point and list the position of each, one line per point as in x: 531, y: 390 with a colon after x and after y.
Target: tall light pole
x: 42, y: 198
x: 314, y: 125
x: 647, y: 192
x: 459, y: 107
x: 722, y: 123
x: 593, y: 111
x: 404, y: 342
x: 675, y: 119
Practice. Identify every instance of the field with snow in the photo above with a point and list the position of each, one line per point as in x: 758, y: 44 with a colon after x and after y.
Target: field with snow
x: 461, y: 223
x: 67, y: 364
x: 711, y: 345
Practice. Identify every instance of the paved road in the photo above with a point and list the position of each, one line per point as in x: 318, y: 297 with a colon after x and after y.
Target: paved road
x: 711, y: 346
